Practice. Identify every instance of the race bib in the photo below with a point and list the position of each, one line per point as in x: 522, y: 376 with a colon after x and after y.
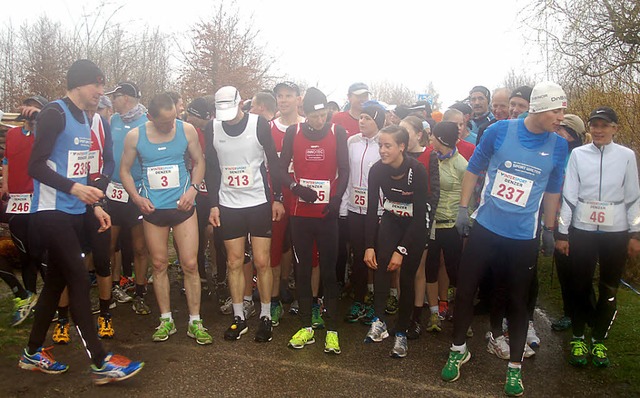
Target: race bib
x: 237, y: 176
x: 117, y: 193
x: 399, y: 209
x: 511, y: 188
x: 77, y: 164
x: 94, y: 162
x: 19, y: 203
x: 359, y: 196
x: 164, y: 177
x: 322, y: 187
x: 202, y: 187
x: 595, y: 212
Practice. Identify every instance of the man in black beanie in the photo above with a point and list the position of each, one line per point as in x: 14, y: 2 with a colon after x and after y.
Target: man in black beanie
x: 59, y: 165
x: 519, y: 101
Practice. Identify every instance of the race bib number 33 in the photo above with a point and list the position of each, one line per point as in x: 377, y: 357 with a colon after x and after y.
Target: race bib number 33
x: 117, y: 193
x: 511, y: 188
x: 164, y: 177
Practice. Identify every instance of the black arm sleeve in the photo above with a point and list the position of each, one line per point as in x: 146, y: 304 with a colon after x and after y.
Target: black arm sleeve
x: 433, y: 196
x: 373, y: 198
x: 343, y: 161
x: 286, y: 155
x: 417, y: 226
x: 212, y: 175
x: 266, y: 140
x: 50, y: 123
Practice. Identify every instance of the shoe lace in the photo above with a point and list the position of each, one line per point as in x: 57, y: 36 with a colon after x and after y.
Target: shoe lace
x: 599, y: 350
x: 119, y: 360
x: 332, y: 339
x: 46, y: 353
x: 454, y: 358
x: 164, y: 324
x: 300, y: 334
x: 513, y: 377
x: 355, y: 309
x: 400, y: 342
x: 315, y: 311
x: 578, y: 347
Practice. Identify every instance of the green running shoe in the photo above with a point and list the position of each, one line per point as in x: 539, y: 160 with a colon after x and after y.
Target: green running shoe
x: 392, y: 305
x: 302, y: 337
x: 356, y: 313
x: 599, y: 355
x: 276, y: 313
x: 199, y: 332
x: 578, y: 353
x: 369, y: 315
x: 451, y: 371
x: 513, y: 384
x: 331, y: 343
x: 316, y: 317
x: 166, y: 328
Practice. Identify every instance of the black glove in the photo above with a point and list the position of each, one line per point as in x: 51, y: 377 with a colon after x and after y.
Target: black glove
x: 305, y: 193
x: 100, y: 182
x: 548, y: 242
x: 463, y: 223
x: 332, y: 209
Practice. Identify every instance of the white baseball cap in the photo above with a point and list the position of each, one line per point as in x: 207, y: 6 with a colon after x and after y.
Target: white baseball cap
x: 227, y: 101
x: 547, y: 96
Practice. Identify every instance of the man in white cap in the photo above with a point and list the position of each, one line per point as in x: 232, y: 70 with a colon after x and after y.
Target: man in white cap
x: 524, y: 163
x: 236, y: 147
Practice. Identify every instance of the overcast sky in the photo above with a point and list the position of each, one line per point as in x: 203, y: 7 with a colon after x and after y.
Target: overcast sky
x: 333, y: 43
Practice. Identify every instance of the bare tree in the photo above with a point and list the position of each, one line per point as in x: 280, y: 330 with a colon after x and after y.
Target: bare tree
x: 393, y: 93
x: 514, y: 80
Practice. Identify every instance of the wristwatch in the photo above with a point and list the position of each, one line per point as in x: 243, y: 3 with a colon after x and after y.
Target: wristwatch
x: 292, y: 185
x: 278, y: 198
x: 196, y: 187
x: 402, y: 250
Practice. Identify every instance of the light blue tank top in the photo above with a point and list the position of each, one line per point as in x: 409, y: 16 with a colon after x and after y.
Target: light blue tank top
x: 119, y: 130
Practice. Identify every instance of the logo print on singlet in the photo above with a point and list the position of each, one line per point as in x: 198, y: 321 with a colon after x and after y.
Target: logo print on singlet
x: 314, y: 154
x: 410, y: 176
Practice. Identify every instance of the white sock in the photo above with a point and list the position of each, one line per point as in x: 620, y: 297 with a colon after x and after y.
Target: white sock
x: 370, y: 287
x: 265, y: 310
x: 515, y: 365
x: 433, y: 309
x: 193, y: 318
x: 167, y: 315
x: 248, y: 298
x: 238, y: 311
x: 578, y: 337
x: 459, y: 348
x: 394, y: 292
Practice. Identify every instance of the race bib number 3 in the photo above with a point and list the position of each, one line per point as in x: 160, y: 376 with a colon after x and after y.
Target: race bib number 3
x: 359, y: 196
x: 77, y: 164
x: 19, y: 203
x: 596, y: 213
x: 117, y: 193
x: 164, y: 177
x: 322, y: 187
x: 237, y: 177
x: 511, y: 188
x: 399, y: 209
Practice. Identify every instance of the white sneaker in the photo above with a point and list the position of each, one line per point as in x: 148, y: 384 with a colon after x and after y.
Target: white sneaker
x: 119, y: 295
x: 249, y: 308
x: 499, y: 347
x: 528, y: 351
x: 227, y: 307
x: 532, y: 338
x: 377, y: 332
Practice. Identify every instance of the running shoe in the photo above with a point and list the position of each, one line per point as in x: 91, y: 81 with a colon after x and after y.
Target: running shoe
x: 498, y: 346
x: 392, y: 305
x: 513, y: 384
x: 276, y: 313
x: 443, y: 310
x: 599, y: 355
x: 532, y: 338
x: 22, y: 308
x: 127, y: 284
x: 578, y: 353
x: 377, y: 332
x: 140, y: 307
x: 237, y: 329
x: 331, y: 343
x: 197, y: 331
x: 400, y: 347
x: 294, y: 309
x: 316, y: 317
x: 105, y: 327
x: 451, y: 294
x: 265, y: 330
x: 356, y: 312
x: 414, y: 331
x: 302, y: 337
x: 115, y: 368
x: 435, y: 324
x: 42, y: 361
x: 61, y: 332
x: 368, y: 298
x: 451, y: 371
x: 248, y: 308
x: 227, y: 307
x: 528, y: 351
x: 369, y: 315
x: 166, y: 328
x: 119, y: 295
x: 561, y: 324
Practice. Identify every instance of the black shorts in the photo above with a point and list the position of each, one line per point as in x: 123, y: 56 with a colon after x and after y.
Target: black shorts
x: 255, y: 221
x: 124, y: 214
x: 168, y: 217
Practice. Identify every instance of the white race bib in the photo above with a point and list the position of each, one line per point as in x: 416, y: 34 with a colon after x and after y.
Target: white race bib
x: 117, y: 193
x: 322, y: 188
x: 94, y: 163
x: 77, y: 164
x: 164, y: 177
x: 399, y: 209
x: 19, y: 203
x: 237, y: 177
x: 359, y: 197
x: 595, y: 212
x: 511, y: 188
x: 202, y: 187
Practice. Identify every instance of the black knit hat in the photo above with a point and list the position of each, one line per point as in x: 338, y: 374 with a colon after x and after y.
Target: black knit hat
x: 523, y: 92
x: 446, y: 133
x: 377, y: 113
x: 314, y: 100
x: 83, y: 72
x: 199, y: 108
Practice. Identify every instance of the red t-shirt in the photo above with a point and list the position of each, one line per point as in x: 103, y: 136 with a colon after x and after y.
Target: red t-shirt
x: 17, y: 153
x: 465, y: 148
x: 347, y: 121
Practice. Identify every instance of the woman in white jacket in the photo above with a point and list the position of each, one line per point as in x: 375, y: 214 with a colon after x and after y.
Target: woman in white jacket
x: 599, y: 222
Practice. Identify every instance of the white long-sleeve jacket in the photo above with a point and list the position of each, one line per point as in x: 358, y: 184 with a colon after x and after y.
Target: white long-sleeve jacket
x: 601, y: 190
x: 363, y: 153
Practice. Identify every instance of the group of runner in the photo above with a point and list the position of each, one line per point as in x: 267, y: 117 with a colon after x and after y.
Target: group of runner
x: 428, y: 211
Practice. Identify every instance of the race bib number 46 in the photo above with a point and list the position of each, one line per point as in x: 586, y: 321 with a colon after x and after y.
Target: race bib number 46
x: 117, y: 193
x: 77, y: 164
x: 237, y: 176
x: 19, y: 203
x: 164, y: 177
x: 399, y: 209
x: 511, y: 188
x: 322, y: 187
x: 596, y: 213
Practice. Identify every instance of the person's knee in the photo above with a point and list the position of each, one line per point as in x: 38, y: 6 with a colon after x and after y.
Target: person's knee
x: 103, y: 269
x: 189, y: 266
